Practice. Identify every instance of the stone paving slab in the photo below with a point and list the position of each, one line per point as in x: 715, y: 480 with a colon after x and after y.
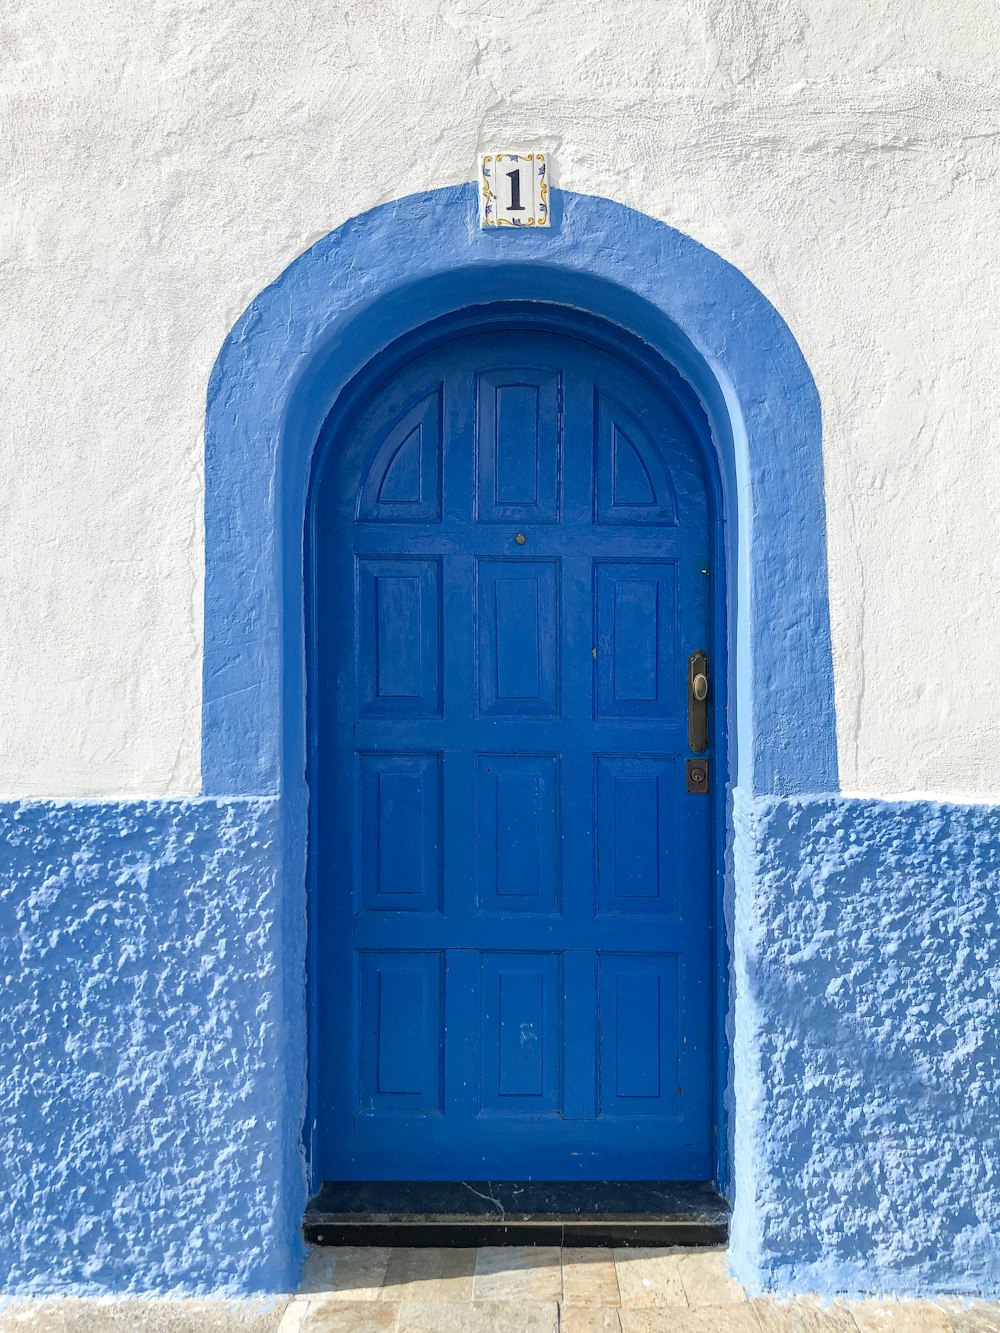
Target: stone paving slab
x: 903, y: 1316
x: 429, y: 1275
x: 345, y: 1272
x: 578, y: 1319
x: 340, y: 1316
x: 977, y: 1317
x: 690, y: 1319
x: 589, y: 1278
x: 803, y: 1315
x: 528, y: 1289
x: 477, y: 1317
x: 706, y: 1280
x: 518, y: 1273
x: 650, y: 1277
x: 134, y: 1315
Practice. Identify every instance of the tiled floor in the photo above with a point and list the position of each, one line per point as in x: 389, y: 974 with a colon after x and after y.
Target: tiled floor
x: 547, y: 1290
x: 541, y: 1290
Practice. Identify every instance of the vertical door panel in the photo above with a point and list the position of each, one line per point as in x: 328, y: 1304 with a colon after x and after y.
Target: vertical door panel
x: 404, y: 479
x: 400, y: 832
x: 400, y: 1032
x: 399, y: 649
x: 634, y: 484
x: 637, y: 639
x: 518, y: 454
x: 640, y: 1035
x: 518, y: 640
x: 521, y: 1037
x: 517, y: 832
x: 636, y: 833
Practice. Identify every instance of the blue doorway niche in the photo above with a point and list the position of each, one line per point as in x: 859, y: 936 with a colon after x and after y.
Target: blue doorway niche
x: 332, y: 316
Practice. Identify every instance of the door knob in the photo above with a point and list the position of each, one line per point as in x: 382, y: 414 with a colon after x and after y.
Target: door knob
x: 699, y: 687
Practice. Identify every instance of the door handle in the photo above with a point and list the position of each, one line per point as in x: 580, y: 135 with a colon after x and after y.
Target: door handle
x: 698, y: 702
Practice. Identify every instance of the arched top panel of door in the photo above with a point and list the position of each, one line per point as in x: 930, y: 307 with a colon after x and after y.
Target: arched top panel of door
x: 523, y: 391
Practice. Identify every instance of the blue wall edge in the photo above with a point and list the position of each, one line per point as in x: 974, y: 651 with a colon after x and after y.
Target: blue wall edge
x: 152, y: 1046
x: 867, y: 1054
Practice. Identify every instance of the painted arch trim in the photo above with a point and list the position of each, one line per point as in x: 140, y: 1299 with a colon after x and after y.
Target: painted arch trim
x: 388, y: 272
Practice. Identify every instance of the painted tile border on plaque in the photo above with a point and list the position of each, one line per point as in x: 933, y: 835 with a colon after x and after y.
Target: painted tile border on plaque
x: 532, y: 190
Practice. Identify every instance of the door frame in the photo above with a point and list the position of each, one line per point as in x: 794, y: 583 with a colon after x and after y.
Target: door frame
x: 540, y: 317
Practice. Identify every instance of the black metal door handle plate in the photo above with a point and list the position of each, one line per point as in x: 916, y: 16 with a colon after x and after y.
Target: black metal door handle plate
x: 698, y: 702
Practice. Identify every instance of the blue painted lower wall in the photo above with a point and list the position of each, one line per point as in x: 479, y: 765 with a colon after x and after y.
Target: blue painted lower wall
x: 867, y: 970
x: 151, y: 1047
x: 152, y: 1039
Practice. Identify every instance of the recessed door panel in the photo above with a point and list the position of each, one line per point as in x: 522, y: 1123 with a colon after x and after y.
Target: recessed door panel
x: 518, y: 446
x: 518, y: 623
x: 521, y: 1036
x: 403, y: 483
x: 399, y: 636
x: 399, y: 835
x: 633, y: 481
x: 400, y: 1033
x: 637, y: 817
x: 514, y: 889
x: 517, y: 832
x: 640, y: 1036
x: 637, y: 639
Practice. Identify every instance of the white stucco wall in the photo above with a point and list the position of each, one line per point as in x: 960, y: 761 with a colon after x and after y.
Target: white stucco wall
x: 166, y: 161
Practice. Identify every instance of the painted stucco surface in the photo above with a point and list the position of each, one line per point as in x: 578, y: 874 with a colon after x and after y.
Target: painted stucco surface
x: 867, y: 1046
x: 150, y: 1039
x: 163, y: 166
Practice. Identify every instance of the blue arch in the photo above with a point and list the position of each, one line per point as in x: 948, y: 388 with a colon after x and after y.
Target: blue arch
x: 391, y: 270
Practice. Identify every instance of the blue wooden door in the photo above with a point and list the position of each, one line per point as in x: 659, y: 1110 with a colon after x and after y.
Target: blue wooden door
x: 513, y: 887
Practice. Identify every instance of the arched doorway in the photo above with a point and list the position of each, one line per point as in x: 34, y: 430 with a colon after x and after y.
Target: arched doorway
x: 515, y: 563
x: 288, y: 363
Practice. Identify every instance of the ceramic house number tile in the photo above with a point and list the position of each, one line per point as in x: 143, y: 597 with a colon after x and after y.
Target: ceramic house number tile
x: 513, y: 189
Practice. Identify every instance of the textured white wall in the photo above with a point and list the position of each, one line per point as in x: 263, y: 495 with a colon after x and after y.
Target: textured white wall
x: 166, y: 160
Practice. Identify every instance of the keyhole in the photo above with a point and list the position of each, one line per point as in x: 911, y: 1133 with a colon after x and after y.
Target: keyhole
x: 520, y: 539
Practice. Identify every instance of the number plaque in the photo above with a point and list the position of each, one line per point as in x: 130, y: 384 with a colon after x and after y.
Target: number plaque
x: 514, y: 189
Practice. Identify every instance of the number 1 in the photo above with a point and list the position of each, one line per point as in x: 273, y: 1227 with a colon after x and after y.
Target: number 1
x: 515, y: 191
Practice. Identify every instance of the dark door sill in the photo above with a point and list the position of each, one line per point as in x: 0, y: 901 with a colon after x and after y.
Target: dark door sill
x: 476, y: 1212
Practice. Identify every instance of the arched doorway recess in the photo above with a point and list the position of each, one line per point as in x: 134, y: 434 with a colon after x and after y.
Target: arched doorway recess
x: 336, y: 310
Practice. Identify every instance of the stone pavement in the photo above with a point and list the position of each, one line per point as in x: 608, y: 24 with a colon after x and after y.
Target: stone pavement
x: 491, y: 1290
